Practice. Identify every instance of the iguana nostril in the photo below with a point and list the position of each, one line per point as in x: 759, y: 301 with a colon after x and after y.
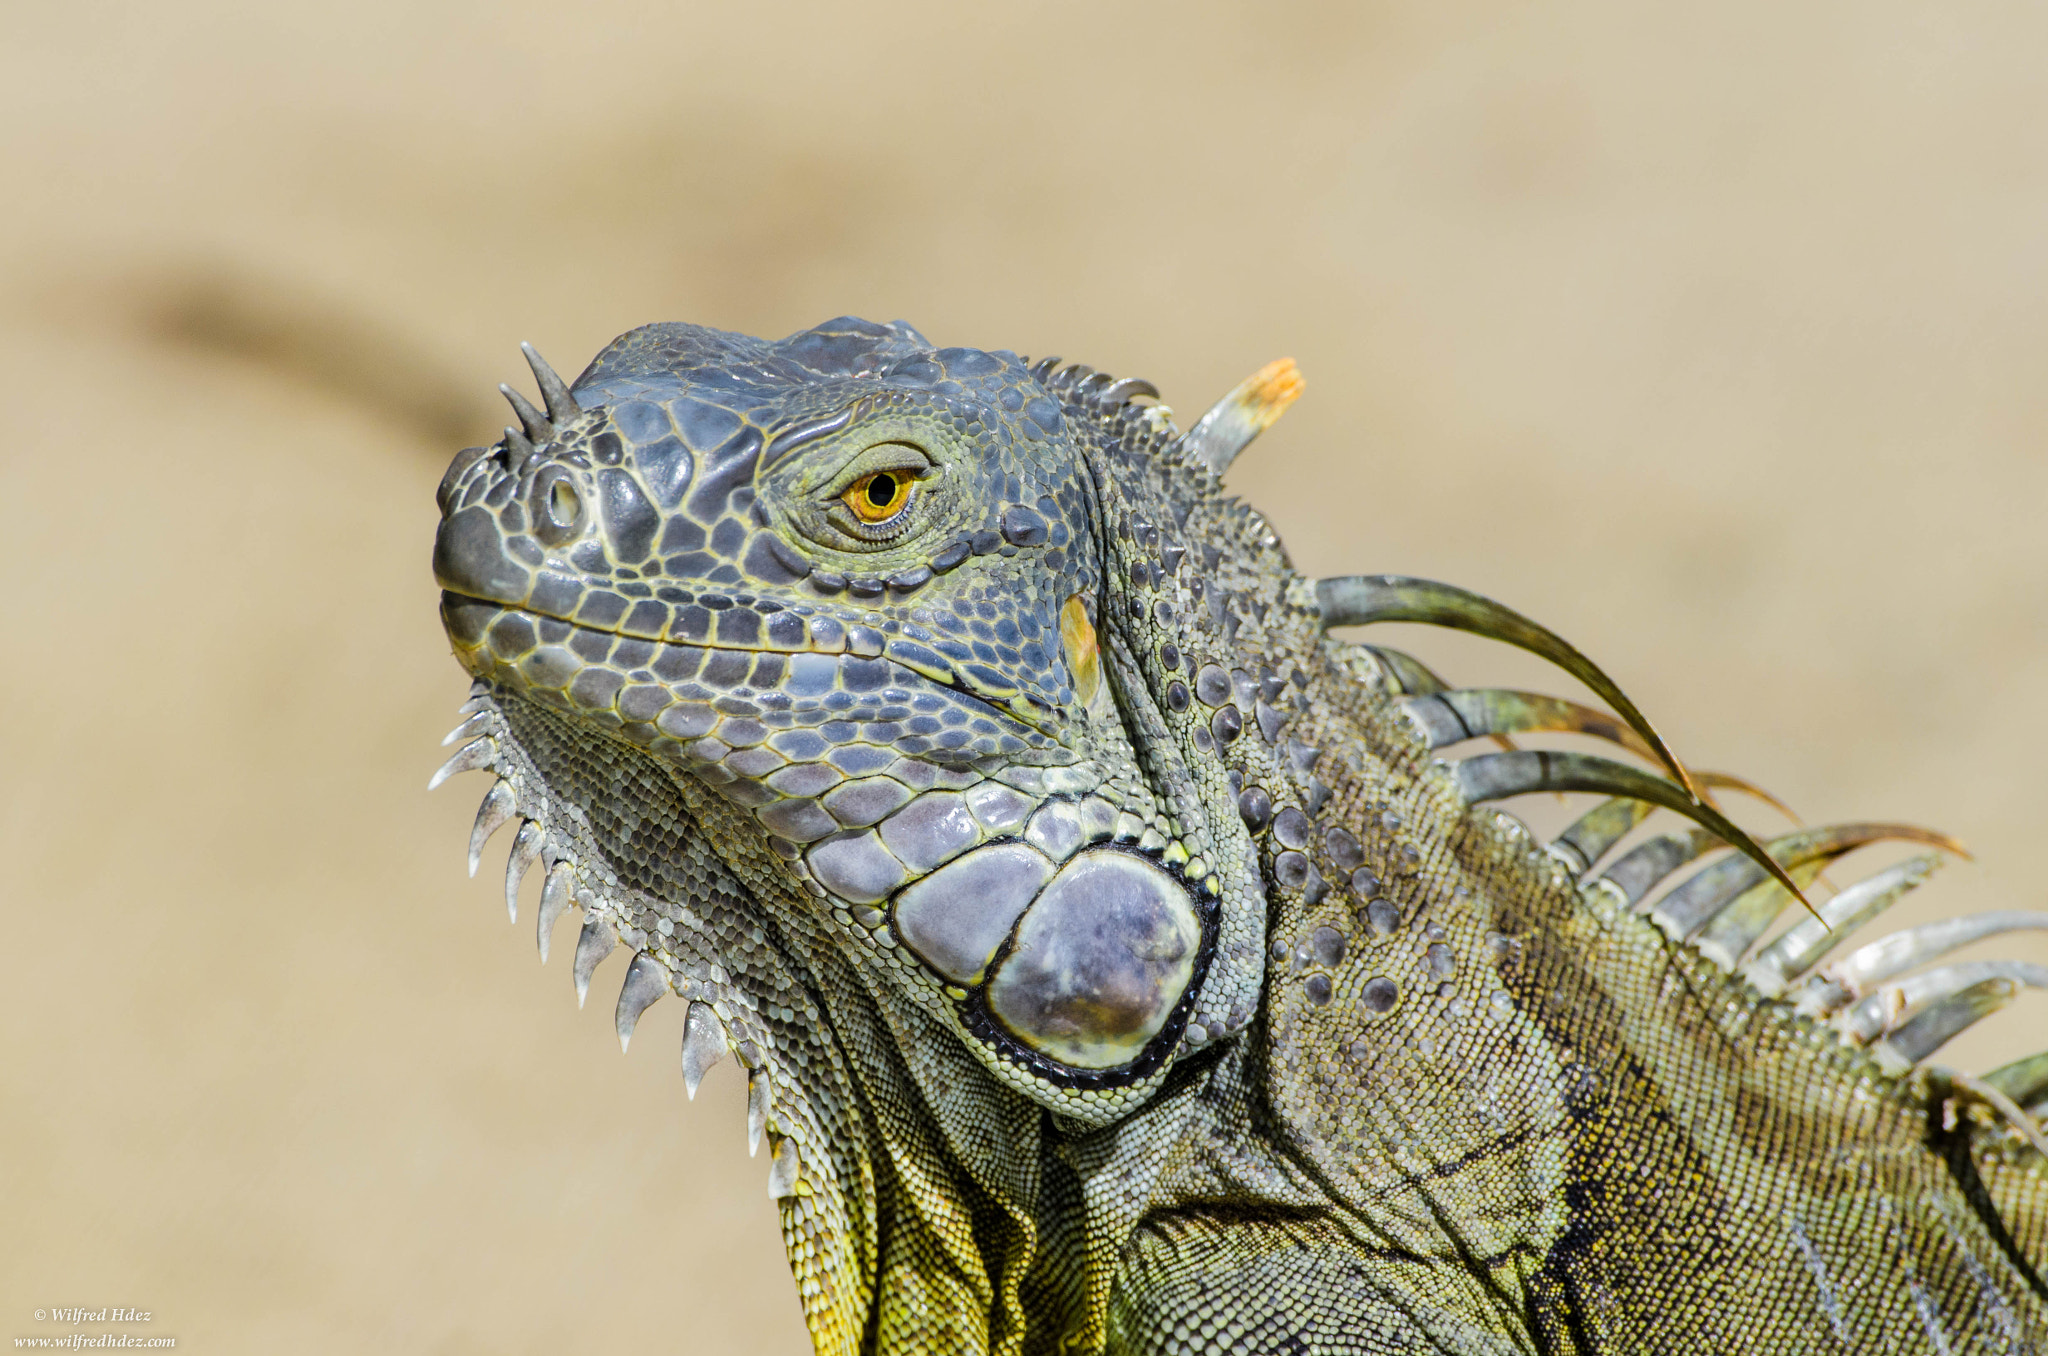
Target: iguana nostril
x: 557, y: 507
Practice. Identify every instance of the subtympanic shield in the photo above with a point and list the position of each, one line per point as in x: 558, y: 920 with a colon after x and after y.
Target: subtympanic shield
x: 1101, y: 959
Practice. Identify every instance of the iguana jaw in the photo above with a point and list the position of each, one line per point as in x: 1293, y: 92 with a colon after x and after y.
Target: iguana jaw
x: 496, y: 630
x: 659, y: 692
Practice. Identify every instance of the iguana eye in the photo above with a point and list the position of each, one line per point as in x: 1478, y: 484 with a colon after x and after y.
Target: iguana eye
x: 878, y: 496
x: 877, y: 499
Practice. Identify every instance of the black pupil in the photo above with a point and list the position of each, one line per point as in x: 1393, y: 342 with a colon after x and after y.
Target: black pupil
x: 881, y: 489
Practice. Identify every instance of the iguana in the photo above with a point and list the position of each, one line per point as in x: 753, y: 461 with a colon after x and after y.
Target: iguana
x: 1117, y: 960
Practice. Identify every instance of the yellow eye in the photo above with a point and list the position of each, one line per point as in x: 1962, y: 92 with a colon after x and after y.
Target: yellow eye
x: 878, y: 495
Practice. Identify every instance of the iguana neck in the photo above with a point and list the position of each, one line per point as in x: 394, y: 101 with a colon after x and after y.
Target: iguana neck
x: 940, y: 1167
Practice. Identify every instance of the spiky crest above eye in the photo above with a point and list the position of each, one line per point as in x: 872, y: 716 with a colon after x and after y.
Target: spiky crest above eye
x: 536, y: 430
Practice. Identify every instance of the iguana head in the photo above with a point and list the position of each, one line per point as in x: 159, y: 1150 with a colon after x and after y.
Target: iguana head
x: 861, y: 589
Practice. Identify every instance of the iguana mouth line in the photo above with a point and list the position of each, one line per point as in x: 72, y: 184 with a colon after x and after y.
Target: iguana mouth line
x: 934, y: 668
x: 583, y: 624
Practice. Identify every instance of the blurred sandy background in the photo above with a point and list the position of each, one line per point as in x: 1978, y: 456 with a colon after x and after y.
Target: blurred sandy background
x: 1714, y: 337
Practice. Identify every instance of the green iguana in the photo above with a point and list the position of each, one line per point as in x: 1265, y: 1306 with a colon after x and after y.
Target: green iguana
x: 1118, y: 963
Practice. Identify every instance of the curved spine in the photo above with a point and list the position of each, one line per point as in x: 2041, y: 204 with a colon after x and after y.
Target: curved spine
x: 1494, y: 776
x: 1365, y: 599
x: 1800, y: 947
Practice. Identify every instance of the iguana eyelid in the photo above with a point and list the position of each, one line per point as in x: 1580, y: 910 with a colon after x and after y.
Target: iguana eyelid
x: 895, y: 455
x: 875, y: 533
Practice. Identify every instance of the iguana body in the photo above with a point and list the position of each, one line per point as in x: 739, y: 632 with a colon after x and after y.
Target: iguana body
x: 1116, y: 965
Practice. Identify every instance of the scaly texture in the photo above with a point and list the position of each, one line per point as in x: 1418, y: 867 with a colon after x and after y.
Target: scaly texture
x: 1117, y: 964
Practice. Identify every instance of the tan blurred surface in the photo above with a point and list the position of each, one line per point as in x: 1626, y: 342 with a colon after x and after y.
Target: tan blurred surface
x: 1712, y: 336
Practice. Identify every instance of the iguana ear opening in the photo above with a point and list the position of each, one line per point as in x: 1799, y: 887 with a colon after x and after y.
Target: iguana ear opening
x: 1084, y: 654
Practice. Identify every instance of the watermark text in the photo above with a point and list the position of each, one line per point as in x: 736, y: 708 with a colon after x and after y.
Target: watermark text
x: 80, y: 1316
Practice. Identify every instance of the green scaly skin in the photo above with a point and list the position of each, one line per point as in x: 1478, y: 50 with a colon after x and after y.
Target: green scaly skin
x: 1115, y: 965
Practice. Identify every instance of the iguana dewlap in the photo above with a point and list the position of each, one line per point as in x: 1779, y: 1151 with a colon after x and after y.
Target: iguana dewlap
x: 1120, y: 962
